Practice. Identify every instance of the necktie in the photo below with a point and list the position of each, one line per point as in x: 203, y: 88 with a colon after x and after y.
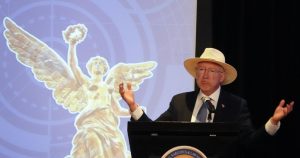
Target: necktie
x: 202, y: 114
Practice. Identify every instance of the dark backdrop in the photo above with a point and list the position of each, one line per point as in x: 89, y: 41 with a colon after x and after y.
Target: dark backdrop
x: 260, y: 39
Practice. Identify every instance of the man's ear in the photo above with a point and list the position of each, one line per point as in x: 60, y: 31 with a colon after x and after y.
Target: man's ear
x: 222, y: 78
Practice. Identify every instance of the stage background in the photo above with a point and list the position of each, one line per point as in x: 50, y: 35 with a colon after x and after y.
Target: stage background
x: 260, y: 39
x: 129, y: 31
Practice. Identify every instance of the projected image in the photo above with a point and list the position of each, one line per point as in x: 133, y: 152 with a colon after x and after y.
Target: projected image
x: 61, y: 60
x: 95, y: 100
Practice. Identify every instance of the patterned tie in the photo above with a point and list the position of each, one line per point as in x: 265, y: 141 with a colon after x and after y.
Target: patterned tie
x: 202, y: 114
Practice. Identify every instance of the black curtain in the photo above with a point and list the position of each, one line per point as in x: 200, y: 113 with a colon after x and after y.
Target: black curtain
x: 260, y: 39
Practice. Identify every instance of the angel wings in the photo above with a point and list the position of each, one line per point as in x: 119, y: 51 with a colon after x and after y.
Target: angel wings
x: 48, y: 67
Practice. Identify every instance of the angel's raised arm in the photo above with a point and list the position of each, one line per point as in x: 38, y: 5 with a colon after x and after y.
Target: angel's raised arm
x: 73, y: 35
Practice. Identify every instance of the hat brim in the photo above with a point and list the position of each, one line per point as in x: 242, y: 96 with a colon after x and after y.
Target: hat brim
x: 230, y: 71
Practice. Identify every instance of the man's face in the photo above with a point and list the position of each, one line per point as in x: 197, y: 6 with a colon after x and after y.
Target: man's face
x: 209, y: 76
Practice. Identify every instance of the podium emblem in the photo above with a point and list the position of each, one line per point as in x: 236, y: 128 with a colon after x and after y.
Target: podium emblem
x: 184, y: 152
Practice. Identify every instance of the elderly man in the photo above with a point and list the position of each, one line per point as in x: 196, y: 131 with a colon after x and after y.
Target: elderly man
x: 211, y: 103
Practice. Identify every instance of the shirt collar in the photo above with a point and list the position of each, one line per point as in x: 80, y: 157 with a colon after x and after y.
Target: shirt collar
x: 214, y: 96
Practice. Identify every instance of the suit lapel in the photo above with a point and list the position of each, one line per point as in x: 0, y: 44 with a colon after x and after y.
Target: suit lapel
x: 190, y: 101
x: 222, y: 104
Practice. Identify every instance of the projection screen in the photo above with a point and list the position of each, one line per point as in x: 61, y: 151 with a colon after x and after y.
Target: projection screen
x: 127, y: 34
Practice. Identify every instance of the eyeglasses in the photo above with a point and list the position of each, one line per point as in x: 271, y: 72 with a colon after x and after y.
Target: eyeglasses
x: 201, y: 70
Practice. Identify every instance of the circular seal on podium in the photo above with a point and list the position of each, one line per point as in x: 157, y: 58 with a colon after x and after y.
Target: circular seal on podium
x: 184, y: 152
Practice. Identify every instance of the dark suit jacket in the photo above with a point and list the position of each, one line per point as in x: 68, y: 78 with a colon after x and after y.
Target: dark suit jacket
x: 230, y: 108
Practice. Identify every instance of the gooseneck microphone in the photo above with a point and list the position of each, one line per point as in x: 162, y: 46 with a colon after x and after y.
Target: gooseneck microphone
x: 211, y: 109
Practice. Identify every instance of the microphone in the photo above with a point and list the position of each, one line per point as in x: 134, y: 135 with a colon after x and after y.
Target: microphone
x: 211, y: 109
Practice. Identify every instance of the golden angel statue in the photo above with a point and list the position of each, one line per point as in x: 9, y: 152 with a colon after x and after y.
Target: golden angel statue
x: 94, y: 99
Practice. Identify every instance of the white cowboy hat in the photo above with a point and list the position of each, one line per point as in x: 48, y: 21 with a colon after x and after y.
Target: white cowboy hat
x: 215, y: 56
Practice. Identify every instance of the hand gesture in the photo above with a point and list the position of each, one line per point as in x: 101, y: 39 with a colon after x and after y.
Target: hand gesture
x: 281, y: 111
x: 128, y: 96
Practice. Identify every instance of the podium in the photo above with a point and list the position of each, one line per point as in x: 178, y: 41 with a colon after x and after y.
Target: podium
x: 154, y: 139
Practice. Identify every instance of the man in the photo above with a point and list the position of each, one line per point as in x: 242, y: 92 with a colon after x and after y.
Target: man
x: 211, y: 72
